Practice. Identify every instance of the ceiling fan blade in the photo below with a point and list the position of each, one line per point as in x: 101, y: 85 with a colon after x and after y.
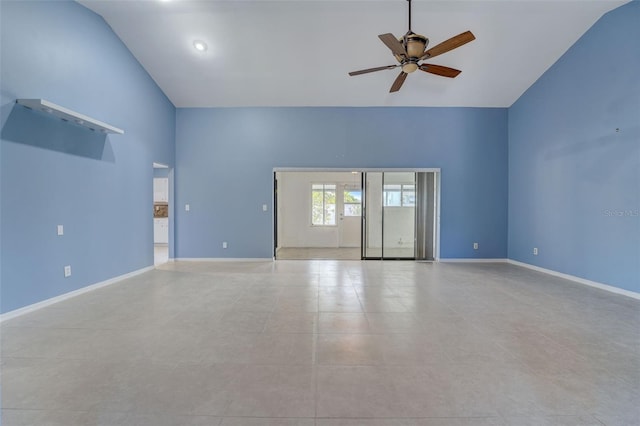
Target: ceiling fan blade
x: 387, y: 67
x: 399, y: 81
x: 440, y: 70
x: 447, y: 45
x: 392, y: 43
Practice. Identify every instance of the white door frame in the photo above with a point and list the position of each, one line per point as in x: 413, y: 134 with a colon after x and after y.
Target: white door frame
x: 435, y: 170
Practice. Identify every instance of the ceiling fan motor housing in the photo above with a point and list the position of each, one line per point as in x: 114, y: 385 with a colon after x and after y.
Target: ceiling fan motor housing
x: 416, y: 45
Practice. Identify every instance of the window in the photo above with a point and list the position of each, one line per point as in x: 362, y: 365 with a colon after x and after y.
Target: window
x: 323, y: 204
x: 399, y: 195
x: 352, y: 202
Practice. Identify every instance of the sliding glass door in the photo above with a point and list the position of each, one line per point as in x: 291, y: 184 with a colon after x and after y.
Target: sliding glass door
x: 398, y: 220
x: 372, y: 221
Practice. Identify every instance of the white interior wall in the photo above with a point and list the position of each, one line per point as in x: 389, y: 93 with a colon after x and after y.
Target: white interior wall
x: 399, y: 227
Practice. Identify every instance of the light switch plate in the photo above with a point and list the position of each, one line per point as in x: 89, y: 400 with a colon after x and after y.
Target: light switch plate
x: 60, y: 230
x: 264, y: 207
x: 187, y: 207
x: 67, y: 271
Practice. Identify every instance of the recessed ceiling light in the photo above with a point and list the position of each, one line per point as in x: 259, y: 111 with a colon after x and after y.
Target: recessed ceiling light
x: 200, y: 45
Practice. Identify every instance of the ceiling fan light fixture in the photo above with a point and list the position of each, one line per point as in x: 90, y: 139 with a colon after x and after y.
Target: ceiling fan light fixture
x: 409, y: 67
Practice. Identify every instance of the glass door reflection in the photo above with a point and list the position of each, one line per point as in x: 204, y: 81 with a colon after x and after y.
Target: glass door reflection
x: 398, y: 213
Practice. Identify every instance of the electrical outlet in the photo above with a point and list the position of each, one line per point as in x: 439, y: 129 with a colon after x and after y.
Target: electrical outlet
x: 60, y: 230
x: 224, y: 244
x: 67, y: 271
x: 475, y: 246
x: 535, y: 251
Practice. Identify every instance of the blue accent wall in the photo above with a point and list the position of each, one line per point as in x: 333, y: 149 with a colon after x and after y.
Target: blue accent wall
x: 574, y: 180
x: 225, y: 159
x: 99, y: 187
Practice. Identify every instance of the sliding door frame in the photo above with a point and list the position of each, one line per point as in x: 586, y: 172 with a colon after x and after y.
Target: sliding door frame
x: 360, y: 170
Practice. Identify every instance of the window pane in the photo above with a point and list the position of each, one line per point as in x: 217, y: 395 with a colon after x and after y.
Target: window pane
x: 392, y: 199
x: 408, y: 195
x: 352, y: 210
x: 330, y: 214
x: 352, y: 196
x: 329, y: 205
x: 352, y: 202
x: 317, y: 208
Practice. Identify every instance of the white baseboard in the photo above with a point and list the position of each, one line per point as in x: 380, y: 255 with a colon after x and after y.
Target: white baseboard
x: 39, y: 305
x: 223, y: 259
x: 579, y: 280
x: 471, y: 260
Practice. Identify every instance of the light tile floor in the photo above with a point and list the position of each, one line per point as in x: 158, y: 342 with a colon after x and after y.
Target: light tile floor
x: 327, y: 343
x: 318, y: 253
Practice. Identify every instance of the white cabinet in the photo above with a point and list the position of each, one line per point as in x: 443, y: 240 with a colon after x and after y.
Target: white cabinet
x: 161, y: 231
x: 160, y: 190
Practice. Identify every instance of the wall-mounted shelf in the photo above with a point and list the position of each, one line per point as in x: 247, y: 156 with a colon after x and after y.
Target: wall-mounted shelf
x: 68, y: 115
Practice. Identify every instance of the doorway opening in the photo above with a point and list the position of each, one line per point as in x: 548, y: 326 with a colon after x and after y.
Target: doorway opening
x: 339, y: 214
x: 317, y: 215
x: 161, y: 213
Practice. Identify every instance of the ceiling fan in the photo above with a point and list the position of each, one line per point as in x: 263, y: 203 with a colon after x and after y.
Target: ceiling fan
x: 410, y: 50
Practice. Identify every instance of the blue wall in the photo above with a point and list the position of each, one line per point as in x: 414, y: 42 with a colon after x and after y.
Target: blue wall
x: 553, y: 163
x: 574, y: 182
x: 98, y: 187
x: 225, y: 158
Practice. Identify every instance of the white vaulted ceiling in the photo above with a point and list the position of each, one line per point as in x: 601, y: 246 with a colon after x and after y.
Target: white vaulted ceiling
x: 298, y: 53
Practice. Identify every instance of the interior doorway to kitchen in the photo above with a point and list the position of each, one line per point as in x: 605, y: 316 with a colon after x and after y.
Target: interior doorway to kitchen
x: 352, y: 215
x: 161, y: 213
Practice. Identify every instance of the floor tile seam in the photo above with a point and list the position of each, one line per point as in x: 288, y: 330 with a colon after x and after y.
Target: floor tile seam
x: 375, y: 333
x: 517, y: 360
x: 315, y: 385
x: 559, y: 342
x: 99, y: 411
x: 266, y: 417
x: 146, y: 361
x: 407, y: 417
x: 359, y: 301
x: 585, y: 359
x: 597, y: 417
x: 88, y: 328
x: 560, y: 416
